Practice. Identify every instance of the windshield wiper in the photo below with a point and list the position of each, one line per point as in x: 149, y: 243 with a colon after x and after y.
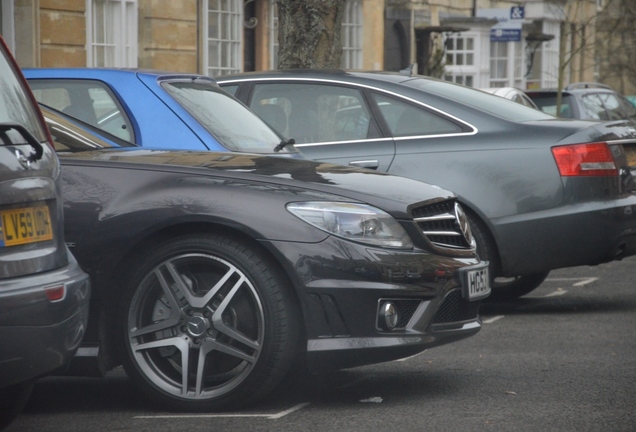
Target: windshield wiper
x: 284, y: 143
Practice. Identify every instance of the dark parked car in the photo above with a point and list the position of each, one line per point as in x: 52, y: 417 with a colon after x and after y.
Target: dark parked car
x: 44, y: 294
x: 213, y: 272
x: 157, y: 109
x: 585, y: 101
x: 541, y: 193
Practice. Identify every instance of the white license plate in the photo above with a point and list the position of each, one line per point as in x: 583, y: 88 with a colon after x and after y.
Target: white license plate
x: 477, y: 283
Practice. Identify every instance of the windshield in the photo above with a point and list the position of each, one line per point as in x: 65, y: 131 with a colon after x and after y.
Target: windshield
x: 229, y: 121
x: 15, y: 102
x: 480, y: 100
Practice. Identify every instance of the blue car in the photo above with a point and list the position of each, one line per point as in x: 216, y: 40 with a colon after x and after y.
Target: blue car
x: 157, y: 109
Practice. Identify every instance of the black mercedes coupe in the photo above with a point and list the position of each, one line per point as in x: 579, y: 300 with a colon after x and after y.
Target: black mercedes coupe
x: 213, y: 272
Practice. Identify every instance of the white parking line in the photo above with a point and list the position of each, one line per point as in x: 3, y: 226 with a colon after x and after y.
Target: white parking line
x: 409, y: 357
x: 581, y: 281
x: 493, y: 319
x: 556, y: 293
x: 267, y: 416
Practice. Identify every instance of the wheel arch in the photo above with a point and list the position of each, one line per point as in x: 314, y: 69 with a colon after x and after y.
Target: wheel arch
x: 485, y: 228
x: 112, y: 287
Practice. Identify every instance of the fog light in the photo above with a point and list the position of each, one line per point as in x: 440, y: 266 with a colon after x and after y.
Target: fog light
x: 388, y: 315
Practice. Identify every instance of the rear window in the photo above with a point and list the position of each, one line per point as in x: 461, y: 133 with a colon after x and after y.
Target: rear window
x: 479, y: 100
x: 14, y: 105
x: 548, y: 103
x: 225, y: 118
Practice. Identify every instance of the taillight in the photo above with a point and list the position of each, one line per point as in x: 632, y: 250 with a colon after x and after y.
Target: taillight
x: 592, y: 159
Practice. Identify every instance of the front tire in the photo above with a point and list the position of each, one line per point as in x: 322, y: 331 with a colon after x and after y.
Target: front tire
x: 502, y: 288
x: 209, y: 324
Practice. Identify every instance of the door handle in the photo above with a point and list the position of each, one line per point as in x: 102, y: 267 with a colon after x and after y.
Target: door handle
x: 371, y: 164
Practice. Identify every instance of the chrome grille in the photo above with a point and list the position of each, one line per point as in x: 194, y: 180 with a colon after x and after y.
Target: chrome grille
x: 445, y: 225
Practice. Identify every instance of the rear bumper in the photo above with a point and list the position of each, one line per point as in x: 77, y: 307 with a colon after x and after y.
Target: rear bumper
x: 39, y: 336
x: 567, y: 236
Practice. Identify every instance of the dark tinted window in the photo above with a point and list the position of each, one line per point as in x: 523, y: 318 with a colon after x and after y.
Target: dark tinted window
x: 231, y: 89
x: 405, y: 119
x: 312, y: 113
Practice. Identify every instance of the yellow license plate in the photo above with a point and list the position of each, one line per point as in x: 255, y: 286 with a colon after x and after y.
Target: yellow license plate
x: 25, y: 225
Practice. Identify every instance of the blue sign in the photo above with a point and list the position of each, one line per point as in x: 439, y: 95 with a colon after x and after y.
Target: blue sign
x: 517, y: 12
x: 505, y: 35
x: 509, y: 22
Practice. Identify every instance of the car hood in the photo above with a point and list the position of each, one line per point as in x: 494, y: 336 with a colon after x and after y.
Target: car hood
x: 391, y: 193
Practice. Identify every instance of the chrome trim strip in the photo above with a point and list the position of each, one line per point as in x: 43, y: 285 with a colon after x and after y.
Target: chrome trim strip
x: 342, y: 142
x: 446, y: 233
x: 622, y: 141
x: 352, y: 343
x: 442, y: 216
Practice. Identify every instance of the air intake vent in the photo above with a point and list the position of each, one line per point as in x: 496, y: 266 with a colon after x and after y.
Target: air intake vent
x: 445, y: 225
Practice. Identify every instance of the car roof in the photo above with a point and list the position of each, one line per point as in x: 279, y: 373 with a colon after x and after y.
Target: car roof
x: 66, y: 73
x: 395, y: 77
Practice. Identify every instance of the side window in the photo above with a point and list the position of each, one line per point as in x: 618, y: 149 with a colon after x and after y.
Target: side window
x: 312, y: 113
x: 628, y: 107
x: 231, y: 88
x: 405, y: 119
x: 612, y: 106
x: 525, y: 100
x: 89, y: 101
x: 594, y: 107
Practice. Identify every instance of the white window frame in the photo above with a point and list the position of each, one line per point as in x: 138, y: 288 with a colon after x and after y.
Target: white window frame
x: 273, y: 35
x: 352, y: 35
x: 228, y: 55
x: 513, y: 74
x: 8, y: 23
x: 550, y: 56
x: 121, y: 37
x: 464, y: 73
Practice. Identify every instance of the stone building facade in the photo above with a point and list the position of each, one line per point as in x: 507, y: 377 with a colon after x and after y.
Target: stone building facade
x: 474, y: 42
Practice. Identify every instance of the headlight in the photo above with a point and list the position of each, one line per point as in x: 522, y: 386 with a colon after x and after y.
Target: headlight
x: 358, y: 222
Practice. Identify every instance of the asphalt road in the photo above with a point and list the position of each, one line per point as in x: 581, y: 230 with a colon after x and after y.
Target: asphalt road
x: 561, y: 359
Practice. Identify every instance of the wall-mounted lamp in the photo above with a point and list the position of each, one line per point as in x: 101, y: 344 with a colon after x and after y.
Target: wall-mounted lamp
x: 533, y: 42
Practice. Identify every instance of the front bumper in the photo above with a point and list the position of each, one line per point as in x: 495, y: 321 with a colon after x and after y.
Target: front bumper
x: 341, y: 287
x: 38, y: 336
